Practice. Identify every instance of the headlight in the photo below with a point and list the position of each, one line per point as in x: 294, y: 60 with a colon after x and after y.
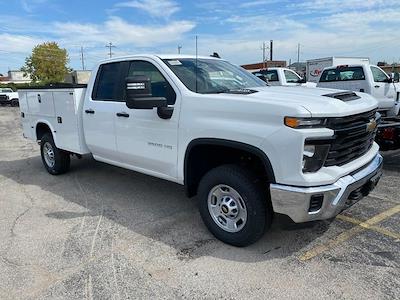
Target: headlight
x: 314, y: 155
x: 305, y: 122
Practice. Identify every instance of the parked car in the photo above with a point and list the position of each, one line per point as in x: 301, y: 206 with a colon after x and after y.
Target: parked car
x: 283, y: 77
x: 314, y: 67
x: 364, y: 78
x: 8, y: 97
x: 247, y: 150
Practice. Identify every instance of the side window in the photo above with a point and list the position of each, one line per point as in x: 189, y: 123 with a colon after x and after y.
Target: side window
x: 107, y: 82
x: 160, y: 87
x: 379, y: 75
x: 291, y: 77
x: 271, y: 75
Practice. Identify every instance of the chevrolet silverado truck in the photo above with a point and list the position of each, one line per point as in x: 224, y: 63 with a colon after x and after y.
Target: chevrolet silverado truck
x: 283, y: 77
x: 247, y: 150
x: 365, y: 78
x: 8, y: 97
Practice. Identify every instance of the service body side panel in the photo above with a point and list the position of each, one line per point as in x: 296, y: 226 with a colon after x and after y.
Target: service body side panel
x: 60, y: 110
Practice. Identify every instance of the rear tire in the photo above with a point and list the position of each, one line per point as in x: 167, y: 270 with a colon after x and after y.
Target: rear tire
x: 234, y: 207
x: 56, y: 161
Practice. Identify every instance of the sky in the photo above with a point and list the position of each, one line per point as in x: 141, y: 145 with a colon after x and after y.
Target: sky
x: 234, y: 29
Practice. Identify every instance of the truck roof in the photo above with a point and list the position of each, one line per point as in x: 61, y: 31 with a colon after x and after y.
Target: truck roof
x: 347, y: 65
x: 160, y: 56
x: 340, y: 57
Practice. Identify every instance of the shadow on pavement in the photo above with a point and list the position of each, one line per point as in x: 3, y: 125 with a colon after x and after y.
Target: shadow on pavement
x: 151, y: 207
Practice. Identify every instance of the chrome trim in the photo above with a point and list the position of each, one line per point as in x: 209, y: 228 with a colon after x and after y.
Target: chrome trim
x: 294, y: 201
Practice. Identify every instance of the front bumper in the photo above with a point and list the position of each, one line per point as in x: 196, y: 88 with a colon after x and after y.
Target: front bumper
x: 295, y: 202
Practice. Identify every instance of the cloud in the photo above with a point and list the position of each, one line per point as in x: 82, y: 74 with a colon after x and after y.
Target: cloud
x: 15, y: 43
x: 156, y: 8
x: 331, y: 6
x: 122, y: 33
x: 29, y: 5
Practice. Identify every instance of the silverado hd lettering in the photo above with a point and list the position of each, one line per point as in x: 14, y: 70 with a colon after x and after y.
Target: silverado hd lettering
x: 247, y: 150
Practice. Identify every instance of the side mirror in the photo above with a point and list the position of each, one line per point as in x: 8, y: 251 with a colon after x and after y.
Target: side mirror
x: 396, y: 77
x: 139, y: 96
x: 302, y: 80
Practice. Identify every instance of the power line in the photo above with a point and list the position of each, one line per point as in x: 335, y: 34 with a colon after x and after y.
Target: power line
x: 110, y: 46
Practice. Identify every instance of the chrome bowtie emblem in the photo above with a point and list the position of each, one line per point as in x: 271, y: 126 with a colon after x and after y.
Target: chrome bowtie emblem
x: 371, y: 125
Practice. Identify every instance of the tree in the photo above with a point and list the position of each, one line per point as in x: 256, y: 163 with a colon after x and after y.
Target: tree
x: 48, y: 63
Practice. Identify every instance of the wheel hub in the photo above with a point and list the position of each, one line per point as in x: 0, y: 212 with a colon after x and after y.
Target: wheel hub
x: 227, y: 208
x: 48, y: 154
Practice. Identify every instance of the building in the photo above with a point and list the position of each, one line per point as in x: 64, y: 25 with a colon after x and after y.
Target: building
x: 78, y: 77
x: 268, y: 64
x: 393, y: 68
x: 299, y: 68
x: 15, y: 77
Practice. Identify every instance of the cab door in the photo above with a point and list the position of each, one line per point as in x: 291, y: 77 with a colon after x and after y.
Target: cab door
x: 99, y: 112
x: 146, y: 142
x: 382, y: 89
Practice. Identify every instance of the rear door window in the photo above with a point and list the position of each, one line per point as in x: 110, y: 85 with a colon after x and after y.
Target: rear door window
x: 379, y: 75
x: 108, y: 84
x: 271, y: 75
x: 343, y: 74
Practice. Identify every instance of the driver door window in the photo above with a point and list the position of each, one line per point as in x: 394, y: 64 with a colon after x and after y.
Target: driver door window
x: 159, y: 85
x: 379, y: 75
x: 291, y: 77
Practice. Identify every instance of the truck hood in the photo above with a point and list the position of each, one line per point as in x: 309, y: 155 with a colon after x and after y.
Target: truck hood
x: 315, y: 100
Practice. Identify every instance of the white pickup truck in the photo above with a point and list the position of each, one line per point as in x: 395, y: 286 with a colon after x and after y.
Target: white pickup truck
x: 282, y: 77
x: 364, y: 78
x: 8, y: 97
x: 246, y: 149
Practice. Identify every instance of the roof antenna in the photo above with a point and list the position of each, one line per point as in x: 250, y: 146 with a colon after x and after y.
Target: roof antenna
x: 196, y: 62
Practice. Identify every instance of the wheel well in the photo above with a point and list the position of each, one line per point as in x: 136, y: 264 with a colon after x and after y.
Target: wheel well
x: 206, y: 154
x: 41, y: 130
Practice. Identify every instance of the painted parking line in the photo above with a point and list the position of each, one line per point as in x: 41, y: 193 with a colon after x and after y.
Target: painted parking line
x: 379, y: 229
x: 344, y: 236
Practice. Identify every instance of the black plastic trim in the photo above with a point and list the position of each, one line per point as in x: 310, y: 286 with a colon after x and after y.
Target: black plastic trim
x: 55, y: 86
x: 232, y: 144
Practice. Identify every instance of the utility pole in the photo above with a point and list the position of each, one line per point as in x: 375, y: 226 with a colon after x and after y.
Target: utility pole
x: 110, y: 46
x: 298, y: 53
x: 264, y: 50
x: 179, y: 49
x: 82, y: 59
x: 271, y: 49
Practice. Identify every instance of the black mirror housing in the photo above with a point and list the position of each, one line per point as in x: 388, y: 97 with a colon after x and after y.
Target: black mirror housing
x: 139, y: 95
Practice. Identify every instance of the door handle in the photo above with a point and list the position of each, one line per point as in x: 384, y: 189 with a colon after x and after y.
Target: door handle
x: 89, y: 111
x: 377, y: 86
x: 123, y: 114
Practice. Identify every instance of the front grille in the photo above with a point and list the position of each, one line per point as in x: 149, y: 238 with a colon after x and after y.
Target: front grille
x: 353, y: 137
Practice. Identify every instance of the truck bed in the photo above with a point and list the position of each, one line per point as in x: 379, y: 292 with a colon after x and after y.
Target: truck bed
x: 60, y: 107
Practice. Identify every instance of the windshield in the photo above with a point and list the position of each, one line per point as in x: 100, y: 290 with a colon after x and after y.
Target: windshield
x: 213, y: 76
x: 6, y: 90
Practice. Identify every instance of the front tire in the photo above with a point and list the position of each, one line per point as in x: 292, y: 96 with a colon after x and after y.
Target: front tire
x: 234, y: 207
x: 56, y: 161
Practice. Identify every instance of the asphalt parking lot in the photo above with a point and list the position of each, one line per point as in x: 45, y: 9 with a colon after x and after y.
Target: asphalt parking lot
x: 101, y: 232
